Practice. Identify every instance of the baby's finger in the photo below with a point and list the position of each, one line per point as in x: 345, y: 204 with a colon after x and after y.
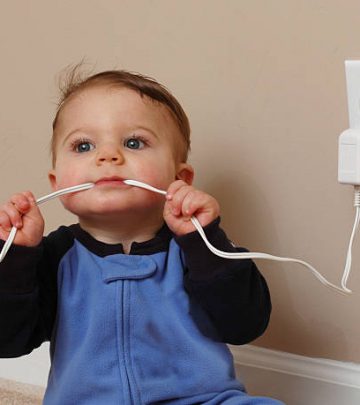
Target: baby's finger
x: 14, y: 214
x: 30, y: 196
x: 5, y: 221
x: 22, y: 202
x: 178, y: 199
x: 174, y: 187
x: 193, y: 201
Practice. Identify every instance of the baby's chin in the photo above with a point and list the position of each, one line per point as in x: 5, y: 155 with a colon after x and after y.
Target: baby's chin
x: 114, y: 209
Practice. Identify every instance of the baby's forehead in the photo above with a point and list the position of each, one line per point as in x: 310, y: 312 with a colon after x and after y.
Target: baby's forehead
x: 120, y: 95
x: 101, y: 105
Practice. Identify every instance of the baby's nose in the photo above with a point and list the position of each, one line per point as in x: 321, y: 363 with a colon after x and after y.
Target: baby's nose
x: 109, y: 154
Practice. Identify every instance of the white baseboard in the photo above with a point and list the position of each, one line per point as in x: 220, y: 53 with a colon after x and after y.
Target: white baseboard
x: 297, y: 380
x: 31, y: 369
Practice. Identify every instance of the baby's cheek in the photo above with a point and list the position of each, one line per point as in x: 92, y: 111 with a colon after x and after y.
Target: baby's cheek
x: 68, y: 202
x: 160, y: 178
x: 75, y: 203
x: 150, y: 177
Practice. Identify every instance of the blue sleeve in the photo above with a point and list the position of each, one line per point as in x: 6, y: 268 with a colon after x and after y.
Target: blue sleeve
x: 233, y: 293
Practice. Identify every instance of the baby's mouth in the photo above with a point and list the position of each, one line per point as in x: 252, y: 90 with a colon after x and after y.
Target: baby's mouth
x: 110, y: 181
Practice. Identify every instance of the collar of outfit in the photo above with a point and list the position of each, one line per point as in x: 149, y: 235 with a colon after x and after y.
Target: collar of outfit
x: 158, y: 243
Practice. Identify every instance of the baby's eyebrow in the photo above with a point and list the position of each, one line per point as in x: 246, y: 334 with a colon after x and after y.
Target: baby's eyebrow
x: 74, y: 131
x: 147, y: 129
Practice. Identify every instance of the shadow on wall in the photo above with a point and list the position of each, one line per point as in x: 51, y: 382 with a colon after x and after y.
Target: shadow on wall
x: 314, y: 340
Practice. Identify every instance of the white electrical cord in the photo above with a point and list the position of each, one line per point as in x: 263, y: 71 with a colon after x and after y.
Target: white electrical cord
x: 227, y: 255
x: 355, y: 228
x: 39, y: 201
x: 254, y: 255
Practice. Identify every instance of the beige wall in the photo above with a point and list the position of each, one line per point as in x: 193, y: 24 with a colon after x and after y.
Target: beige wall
x: 263, y: 84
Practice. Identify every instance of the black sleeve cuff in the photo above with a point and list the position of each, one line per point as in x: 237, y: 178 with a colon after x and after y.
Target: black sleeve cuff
x: 18, y: 269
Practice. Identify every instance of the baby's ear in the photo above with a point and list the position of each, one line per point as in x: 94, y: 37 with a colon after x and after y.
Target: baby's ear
x: 52, y: 179
x: 185, y: 172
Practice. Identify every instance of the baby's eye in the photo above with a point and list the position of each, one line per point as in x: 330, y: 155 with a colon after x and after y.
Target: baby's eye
x: 134, y: 143
x: 83, y: 146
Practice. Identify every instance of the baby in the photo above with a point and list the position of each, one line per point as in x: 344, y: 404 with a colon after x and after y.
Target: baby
x: 136, y: 308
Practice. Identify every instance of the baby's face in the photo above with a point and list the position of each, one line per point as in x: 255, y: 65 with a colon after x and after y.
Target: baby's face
x: 108, y: 134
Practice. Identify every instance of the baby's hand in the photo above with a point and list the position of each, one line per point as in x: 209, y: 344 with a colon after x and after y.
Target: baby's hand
x: 184, y: 201
x: 21, y: 211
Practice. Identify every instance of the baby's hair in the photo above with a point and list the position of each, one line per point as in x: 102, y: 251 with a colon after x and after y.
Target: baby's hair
x: 74, y: 81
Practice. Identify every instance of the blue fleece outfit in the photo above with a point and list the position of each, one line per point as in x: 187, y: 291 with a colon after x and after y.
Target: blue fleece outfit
x: 145, y: 328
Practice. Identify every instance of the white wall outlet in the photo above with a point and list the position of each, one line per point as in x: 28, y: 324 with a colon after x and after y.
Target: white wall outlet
x: 352, y: 70
x: 349, y: 157
x: 349, y: 140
